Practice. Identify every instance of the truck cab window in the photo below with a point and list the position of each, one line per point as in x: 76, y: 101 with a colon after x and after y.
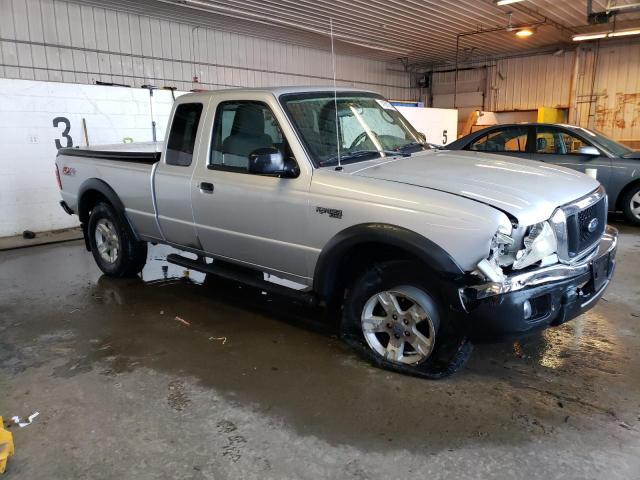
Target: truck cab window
x: 182, y: 137
x: 241, y: 128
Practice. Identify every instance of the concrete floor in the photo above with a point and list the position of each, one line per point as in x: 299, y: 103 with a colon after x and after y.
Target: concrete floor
x: 253, y: 387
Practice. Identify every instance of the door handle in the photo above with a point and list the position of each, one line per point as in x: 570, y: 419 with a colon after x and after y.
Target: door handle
x: 206, y: 187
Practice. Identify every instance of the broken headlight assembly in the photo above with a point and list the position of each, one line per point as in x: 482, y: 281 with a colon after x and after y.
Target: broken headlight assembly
x: 538, y: 244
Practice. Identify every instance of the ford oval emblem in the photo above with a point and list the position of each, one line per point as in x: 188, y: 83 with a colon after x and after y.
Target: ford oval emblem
x: 592, y: 225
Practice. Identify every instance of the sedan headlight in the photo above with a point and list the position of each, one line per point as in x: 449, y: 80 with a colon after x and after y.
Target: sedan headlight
x: 539, y: 244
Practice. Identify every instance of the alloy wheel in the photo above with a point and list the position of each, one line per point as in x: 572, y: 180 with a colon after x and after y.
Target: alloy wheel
x: 107, y: 240
x: 397, y: 326
x: 635, y: 205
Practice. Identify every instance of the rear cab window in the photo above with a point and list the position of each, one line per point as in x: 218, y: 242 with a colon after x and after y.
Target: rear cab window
x: 182, y: 137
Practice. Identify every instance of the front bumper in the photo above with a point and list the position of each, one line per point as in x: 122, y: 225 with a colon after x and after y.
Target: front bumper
x: 531, y: 301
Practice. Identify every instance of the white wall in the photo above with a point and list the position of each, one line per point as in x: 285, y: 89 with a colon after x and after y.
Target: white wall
x: 28, y: 190
x: 440, y: 125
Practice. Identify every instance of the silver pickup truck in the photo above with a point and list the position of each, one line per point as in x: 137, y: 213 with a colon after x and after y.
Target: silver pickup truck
x: 420, y: 252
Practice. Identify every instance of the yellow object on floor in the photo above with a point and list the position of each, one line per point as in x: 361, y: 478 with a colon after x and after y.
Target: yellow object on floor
x: 6, y: 446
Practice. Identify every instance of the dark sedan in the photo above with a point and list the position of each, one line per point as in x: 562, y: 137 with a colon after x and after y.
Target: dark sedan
x: 617, y: 167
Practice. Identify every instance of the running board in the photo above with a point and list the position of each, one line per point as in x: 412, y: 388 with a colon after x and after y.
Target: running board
x: 252, y: 278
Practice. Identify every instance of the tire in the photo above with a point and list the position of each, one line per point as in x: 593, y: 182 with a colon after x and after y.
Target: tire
x: 631, y: 205
x: 393, y: 317
x: 113, y: 245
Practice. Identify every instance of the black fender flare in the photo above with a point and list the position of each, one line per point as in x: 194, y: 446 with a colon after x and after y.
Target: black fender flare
x: 413, y: 243
x: 103, y: 188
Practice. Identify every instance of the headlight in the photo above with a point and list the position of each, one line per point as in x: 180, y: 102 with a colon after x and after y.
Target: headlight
x: 539, y: 244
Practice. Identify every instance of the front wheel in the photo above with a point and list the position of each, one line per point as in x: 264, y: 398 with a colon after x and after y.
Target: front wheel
x: 113, y: 245
x: 631, y: 205
x: 393, y: 316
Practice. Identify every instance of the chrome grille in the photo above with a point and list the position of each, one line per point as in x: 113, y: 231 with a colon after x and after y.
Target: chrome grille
x: 579, y: 225
x: 585, y: 228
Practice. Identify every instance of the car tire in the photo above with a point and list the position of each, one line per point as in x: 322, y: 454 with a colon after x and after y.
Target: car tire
x: 393, y: 317
x: 631, y: 205
x: 113, y: 244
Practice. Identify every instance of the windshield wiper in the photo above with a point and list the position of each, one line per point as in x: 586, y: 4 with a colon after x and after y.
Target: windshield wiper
x: 411, y: 145
x: 358, y: 155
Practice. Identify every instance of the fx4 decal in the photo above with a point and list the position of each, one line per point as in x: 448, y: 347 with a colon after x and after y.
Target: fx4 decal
x: 333, y: 212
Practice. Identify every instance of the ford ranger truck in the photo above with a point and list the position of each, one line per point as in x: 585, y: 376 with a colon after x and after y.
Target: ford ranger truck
x: 333, y: 199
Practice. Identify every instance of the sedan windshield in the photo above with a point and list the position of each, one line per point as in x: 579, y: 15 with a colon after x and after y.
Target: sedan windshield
x: 614, y: 147
x: 366, y: 126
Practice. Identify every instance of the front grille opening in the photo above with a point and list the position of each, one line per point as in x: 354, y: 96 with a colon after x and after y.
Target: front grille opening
x: 580, y: 236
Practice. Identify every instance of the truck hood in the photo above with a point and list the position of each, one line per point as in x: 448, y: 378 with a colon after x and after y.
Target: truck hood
x: 528, y: 190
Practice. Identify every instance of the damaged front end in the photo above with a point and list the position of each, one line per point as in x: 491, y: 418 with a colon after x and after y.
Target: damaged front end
x: 538, y: 296
x: 543, y: 274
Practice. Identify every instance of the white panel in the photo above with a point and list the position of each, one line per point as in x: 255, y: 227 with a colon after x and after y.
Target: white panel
x: 26, y: 125
x: 439, y: 125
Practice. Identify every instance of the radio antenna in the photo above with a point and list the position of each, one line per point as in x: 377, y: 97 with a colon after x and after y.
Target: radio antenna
x: 335, y: 93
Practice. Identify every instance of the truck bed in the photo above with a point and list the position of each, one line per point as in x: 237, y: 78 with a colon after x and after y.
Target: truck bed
x: 143, y: 152
x: 126, y: 168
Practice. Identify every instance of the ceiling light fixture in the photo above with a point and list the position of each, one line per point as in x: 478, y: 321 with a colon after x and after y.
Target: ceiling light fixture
x: 599, y: 35
x: 589, y: 36
x: 506, y: 2
x: 524, y: 33
x: 624, y: 33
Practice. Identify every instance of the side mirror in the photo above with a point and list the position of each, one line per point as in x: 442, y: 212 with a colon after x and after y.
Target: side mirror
x: 270, y: 161
x: 589, y: 150
x: 266, y: 161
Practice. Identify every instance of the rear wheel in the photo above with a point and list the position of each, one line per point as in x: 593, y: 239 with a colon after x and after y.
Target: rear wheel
x: 631, y: 205
x: 393, y: 317
x: 113, y: 245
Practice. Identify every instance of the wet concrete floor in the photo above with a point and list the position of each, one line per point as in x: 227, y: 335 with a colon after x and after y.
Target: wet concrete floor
x: 242, y: 385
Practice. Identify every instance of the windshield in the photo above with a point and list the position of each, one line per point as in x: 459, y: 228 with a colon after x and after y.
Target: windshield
x: 614, y: 147
x: 368, y: 127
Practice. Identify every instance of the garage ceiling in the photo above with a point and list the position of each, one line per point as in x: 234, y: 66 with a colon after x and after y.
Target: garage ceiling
x: 424, y: 32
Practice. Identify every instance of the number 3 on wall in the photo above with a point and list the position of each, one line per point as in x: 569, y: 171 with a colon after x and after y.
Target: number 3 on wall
x: 65, y: 133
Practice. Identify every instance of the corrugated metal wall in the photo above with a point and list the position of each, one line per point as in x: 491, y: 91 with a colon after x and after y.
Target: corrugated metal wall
x: 468, y: 96
x: 56, y: 40
x: 527, y: 83
x: 608, y: 98
x: 600, y: 85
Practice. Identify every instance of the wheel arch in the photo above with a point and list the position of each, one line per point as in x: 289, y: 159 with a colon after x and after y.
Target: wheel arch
x: 632, y: 184
x: 92, y: 191
x: 360, y: 245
